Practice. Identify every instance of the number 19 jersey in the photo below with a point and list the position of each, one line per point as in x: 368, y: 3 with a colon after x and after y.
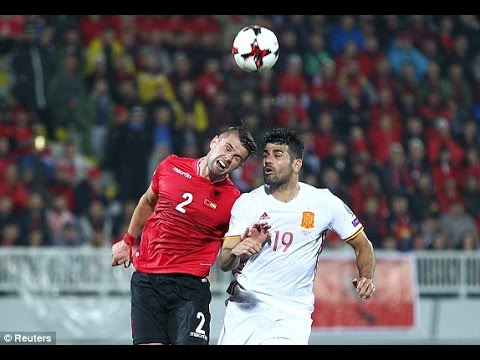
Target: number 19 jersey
x: 282, y: 273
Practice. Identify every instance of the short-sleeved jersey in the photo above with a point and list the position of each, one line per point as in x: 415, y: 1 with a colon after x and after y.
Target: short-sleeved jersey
x: 185, y: 231
x: 282, y: 273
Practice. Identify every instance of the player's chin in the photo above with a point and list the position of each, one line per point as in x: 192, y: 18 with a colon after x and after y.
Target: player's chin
x: 219, y: 170
x: 268, y: 176
x: 220, y: 173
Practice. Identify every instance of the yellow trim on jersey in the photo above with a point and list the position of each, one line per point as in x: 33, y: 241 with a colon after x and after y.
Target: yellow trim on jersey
x: 233, y: 237
x: 354, y: 235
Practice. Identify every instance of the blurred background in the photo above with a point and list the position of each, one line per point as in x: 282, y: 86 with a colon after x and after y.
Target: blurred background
x: 389, y: 108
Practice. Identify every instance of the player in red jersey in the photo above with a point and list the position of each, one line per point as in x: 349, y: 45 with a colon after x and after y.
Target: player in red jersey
x: 182, y: 218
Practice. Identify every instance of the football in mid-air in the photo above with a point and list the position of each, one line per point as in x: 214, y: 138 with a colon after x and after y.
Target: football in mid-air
x: 255, y: 48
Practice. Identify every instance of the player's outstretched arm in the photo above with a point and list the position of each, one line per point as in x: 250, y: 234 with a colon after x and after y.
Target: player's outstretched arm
x: 227, y: 259
x: 365, y: 257
x: 122, y: 250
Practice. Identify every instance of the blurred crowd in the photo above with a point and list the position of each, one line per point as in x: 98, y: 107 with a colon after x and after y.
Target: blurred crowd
x: 389, y: 107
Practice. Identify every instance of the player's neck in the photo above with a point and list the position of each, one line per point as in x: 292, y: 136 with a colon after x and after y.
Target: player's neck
x: 285, y: 192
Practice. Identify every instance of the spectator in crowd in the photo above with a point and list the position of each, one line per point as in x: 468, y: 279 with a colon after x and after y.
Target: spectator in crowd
x: 72, y: 110
x: 58, y: 215
x: 12, y: 186
x: 32, y: 67
x: 402, y: 51
x: 456, y: 222
x: 394, y: 174
x: 137, y: 142
x: 316, y: 55
x: 34, y: 220
x: 469, y: 241
x: 10, y: 235
x: 95, y: 225
x: 7, y: 214
x: 103, y: 113
x: 346, y: 30
x: 423, y: 200
x: 400, y: 222
x: 68, y: 236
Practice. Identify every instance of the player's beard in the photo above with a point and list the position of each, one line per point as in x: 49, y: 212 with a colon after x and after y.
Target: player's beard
x: 274, y: 180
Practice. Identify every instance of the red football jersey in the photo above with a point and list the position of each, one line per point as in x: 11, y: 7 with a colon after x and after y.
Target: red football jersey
x: 185, y: 231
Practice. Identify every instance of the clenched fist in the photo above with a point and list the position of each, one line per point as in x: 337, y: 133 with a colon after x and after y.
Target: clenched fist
x: 121, y: 253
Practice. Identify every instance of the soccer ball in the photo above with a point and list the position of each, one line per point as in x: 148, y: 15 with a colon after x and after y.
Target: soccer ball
x: 255, y: 48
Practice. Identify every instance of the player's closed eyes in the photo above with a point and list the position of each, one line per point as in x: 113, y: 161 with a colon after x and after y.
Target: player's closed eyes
x: 237, y: 158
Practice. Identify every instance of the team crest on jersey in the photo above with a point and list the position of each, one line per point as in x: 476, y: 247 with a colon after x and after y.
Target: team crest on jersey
x: 308, y: 220
x: 215, y: 194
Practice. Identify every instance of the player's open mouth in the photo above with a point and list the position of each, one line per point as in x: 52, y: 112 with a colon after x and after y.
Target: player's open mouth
x: 222, y: 165
x: 268, y: 170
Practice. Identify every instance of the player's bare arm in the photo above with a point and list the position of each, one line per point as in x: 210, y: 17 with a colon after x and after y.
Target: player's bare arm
x: 122, y: 250
x: 238, y: 248
x: 366, y: 265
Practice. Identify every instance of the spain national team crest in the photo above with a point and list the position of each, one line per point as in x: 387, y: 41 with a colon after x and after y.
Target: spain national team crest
x: 308, y: 220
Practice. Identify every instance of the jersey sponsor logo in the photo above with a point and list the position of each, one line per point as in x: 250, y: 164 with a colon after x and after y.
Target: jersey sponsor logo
x: 198, y: 335
x: 181, y: 172
x: 355, y: 222
x: 210, y: 204
x: 308, y: 220
x: 264, y: 216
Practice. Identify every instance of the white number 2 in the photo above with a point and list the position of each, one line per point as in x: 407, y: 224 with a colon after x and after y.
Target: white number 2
x: 199, y: 329
x: 189, y: 199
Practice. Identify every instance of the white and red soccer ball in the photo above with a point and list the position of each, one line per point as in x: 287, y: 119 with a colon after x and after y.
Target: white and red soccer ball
x: 255, y: 48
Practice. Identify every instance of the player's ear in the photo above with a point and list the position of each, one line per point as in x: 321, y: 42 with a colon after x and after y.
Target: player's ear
x: 214, y: 141
x: 297, y: 165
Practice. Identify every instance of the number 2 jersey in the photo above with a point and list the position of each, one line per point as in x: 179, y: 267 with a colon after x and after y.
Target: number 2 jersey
x: 282, y: 273
x: 185, y: 231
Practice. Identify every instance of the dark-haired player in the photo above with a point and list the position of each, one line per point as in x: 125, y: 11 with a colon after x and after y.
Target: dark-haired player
x: 271, y: 298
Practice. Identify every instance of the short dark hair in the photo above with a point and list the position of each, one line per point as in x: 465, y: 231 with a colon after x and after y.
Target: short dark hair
x: 286, y: 136
x: 245, y: 136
